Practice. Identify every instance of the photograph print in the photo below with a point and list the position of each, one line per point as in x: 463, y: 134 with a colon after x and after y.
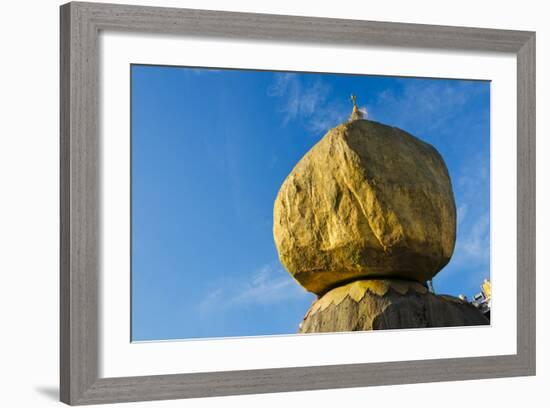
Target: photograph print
x: 290, y: 203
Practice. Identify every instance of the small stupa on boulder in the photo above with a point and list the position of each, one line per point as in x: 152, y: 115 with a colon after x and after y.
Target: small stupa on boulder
x: 356, y: 113
x: 364, y: 220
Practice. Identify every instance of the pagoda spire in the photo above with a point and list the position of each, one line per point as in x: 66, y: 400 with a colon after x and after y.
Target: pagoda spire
x: 356, y: 114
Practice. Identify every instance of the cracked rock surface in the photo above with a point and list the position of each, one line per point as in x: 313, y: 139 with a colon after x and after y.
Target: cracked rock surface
x: 368, y: 201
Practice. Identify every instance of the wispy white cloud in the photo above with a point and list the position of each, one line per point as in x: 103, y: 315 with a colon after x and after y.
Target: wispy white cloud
x: 473, y: 245
x: 298, y: 99
x: 470, y: 262
x: 270, y: 284
x: 461, y: 213
x: 211, y: 299
x: 473, y: 176
x: 307, y: 103
x: 427, y: 106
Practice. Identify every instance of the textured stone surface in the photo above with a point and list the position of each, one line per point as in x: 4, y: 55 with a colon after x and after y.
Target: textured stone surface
x: 387, y: 304
x: 368, y: 200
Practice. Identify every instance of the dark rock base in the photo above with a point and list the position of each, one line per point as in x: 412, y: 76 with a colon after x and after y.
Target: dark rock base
x: 387, y: 304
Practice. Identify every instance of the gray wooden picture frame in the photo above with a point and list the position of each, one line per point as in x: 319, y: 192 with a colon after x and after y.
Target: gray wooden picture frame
x: 80, y: 189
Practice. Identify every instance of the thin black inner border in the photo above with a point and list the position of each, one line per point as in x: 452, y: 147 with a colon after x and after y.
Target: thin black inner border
x: 131, y: 65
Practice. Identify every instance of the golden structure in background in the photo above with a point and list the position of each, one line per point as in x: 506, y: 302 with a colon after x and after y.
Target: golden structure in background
x: 486, y: 288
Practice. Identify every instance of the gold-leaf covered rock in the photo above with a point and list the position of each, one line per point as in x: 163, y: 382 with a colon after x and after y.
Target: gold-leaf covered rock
x: 367, y: 201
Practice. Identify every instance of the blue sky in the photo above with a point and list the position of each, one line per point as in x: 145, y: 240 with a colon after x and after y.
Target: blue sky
x: 210, y: 149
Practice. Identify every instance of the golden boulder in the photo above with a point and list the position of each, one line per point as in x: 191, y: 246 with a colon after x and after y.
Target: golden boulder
x: 368, y: 201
